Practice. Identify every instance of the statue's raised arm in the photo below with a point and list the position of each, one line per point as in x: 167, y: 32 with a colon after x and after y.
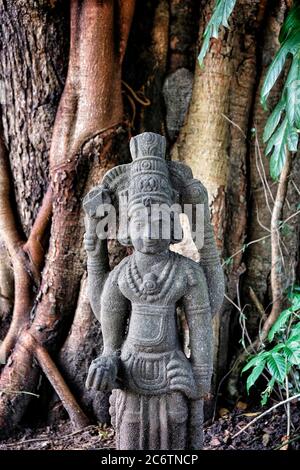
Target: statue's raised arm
x: 96, y: 248
x: 157, y: 390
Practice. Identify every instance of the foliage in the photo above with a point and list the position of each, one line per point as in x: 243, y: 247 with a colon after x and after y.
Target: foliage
x: 281, y: 133
x: 283, y: 125
x: 220, y: 16
x: 281, y: 361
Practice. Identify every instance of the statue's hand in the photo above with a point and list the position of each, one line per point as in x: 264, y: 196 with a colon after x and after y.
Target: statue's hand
x: 91, y: 242
x: 95, y: 204
x: 103, y: 372
x: 180, y: 376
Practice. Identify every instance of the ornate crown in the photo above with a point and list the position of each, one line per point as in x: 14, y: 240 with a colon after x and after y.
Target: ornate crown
x: 149, y: 174
x: 148, y: 179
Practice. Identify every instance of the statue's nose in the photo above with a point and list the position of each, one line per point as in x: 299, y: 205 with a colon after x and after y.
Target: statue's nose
x: 147, y: 232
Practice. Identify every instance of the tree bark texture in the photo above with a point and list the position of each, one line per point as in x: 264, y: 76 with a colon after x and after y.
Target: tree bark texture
x: 89, y: 115
x: 72, y: 92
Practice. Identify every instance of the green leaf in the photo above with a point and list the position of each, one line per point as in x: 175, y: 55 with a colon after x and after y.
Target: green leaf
x: 204, y: 49
x: 278, y: 156
x: 277, y: 366
x: 266, y: 394
x: 293, y: 356
x: 270, y: 144
x: 291, y: 23
x: 294, y: 341
x: 280, y: 323
x: 295, y: 299
x: 292, y: 141
x: 254, y: 375
x: 273, y: 72
x: 292, y: 88
x: 226, y: 7
x: 283, y: 136
x: 256, y: 360
x: 295, y: 330
x: 277, y: 348
x: 273, y: 120
x: 264, y: 398
x: 220, y: 16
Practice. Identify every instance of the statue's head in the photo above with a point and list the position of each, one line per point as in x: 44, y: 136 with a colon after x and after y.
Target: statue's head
x: 150, y: 231
x: 151, y: 197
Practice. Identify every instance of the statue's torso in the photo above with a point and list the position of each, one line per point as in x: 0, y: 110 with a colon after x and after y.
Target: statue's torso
x: 152, y: 340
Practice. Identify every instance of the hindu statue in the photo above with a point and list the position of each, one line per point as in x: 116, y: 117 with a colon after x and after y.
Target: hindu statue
x: 157, y: 386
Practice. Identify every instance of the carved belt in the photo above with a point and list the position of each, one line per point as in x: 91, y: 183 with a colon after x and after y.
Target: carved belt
x: 146, y: 373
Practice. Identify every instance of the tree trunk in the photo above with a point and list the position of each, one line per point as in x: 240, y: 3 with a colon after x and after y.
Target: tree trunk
x: 68, y: 107
x: 213, y: 142
x: 88, y: 117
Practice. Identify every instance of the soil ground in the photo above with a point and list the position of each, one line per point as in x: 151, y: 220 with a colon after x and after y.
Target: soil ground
x: 266, y: 434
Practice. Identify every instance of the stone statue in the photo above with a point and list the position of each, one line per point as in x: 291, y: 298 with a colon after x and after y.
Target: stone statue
x: 157, y: 390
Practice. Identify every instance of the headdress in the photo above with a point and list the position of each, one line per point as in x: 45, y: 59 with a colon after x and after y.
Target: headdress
x: 150, y: 178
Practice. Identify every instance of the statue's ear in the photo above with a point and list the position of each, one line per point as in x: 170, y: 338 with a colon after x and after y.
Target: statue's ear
x: 125, y: 241
x: 123, y: 221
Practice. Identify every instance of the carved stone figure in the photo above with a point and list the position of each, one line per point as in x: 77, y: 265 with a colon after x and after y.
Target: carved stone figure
x: 157, y: 388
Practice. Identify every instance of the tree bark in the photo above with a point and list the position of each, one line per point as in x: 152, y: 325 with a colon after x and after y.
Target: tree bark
x: 34, y: 46
x: 213, y: 142
x: 62, y: 86
x: 258, y: 255
x: 88, y: 117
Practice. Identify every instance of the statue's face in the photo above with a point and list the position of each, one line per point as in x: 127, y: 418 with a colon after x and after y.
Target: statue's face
x: 149, y: 235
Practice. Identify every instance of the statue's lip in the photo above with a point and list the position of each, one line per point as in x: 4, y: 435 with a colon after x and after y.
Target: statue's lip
x: 150, y: 243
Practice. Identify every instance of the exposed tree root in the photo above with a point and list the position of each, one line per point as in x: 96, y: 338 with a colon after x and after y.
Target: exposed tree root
x: 78, y: 418
x: 87, y: 120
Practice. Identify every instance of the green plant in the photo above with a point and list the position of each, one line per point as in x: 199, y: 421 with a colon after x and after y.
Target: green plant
x: 283, y: 125
x: 281, y: 133
x: 282, y: 360
x: 220, y: 16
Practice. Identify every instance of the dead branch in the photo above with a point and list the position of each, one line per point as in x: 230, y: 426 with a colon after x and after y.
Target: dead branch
x: 257, y: 304
x: 276, y: 263
x: 265, y: 413
x: 276, y: 284
x: 77, y: 417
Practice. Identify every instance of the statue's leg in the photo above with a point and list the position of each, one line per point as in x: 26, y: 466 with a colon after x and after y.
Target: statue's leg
x: 150, y: 422
x: 195, y: 427
x: 178, y: 413
x: 125, y: 411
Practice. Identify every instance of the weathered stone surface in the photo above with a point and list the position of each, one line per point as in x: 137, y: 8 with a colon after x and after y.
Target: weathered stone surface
x: 158, y: 390
x: 177, y: 91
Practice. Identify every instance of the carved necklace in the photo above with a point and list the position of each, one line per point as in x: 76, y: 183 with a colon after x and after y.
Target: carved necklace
x: 150, y: 285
